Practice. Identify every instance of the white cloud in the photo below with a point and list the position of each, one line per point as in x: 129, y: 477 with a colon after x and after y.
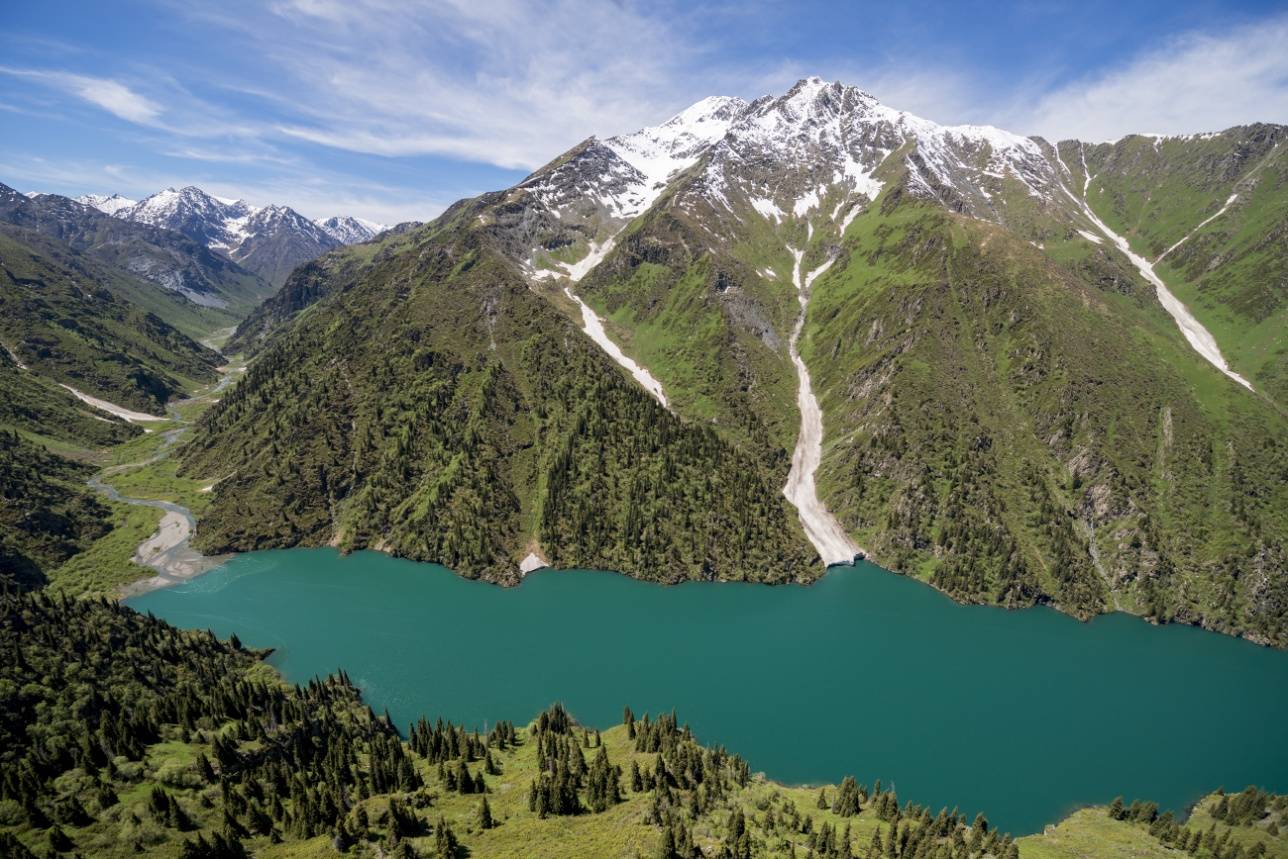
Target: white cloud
x: 114, y: 97
x: 498, y: 81
x: 110, y: 95
x: 1197, y: 82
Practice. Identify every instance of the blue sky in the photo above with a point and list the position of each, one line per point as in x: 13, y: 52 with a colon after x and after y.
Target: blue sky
x: 392, y: 109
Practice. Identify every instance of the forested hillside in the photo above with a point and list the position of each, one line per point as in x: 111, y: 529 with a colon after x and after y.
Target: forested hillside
x: 444, y: 411
x: 47, y: 515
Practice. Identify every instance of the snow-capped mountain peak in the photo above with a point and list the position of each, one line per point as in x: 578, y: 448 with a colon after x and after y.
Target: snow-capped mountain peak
x: 108, y: 205
x: 269, y: 240
x: 815, y: 155
x: 661, y: 151
x: 349, y: 230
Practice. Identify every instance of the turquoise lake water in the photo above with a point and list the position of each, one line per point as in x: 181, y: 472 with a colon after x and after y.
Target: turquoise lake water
x: 1024, y: 715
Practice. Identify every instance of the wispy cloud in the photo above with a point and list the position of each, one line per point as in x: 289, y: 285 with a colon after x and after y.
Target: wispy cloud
x: 1195, y: 82
x: 110, y: 95
x: 500, y: 81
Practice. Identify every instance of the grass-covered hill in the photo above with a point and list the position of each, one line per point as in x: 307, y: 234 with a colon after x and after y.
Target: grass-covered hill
x: 122, y: 736
x: 64, y: 325
x: 443, y: 410
x: 1233, y: 271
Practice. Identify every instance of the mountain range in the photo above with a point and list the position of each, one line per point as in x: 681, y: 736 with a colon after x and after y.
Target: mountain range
x: 268, y: 240
x: 769, y: 334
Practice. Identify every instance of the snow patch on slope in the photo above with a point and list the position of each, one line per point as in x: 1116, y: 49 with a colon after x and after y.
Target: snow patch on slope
x: 1205, y: 222
x: 834, y: 546
x: 113, y: 409
x: 594, y: 328
x: 768, y: 208
x: 1197, y: 336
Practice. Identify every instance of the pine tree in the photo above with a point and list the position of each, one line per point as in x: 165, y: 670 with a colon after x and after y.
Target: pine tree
x: 485, y: 815
x: 58, y: 840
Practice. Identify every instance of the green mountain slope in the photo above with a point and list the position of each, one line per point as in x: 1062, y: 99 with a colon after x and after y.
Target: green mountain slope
x: 46, y: 513
x: 442, y: 410
x: 80, y: 333
x: 126, y: 737
x: 1230, y: 272
x: 1014, y: 431
x: 335, y: 271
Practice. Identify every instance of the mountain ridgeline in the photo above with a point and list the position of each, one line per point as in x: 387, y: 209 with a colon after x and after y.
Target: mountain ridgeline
x: 1014, y: 408
x: 267, y: 240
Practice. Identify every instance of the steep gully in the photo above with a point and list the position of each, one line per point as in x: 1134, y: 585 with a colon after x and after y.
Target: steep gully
x: 831, y: 542
x: 834, y: 546
x: 1195, y: 334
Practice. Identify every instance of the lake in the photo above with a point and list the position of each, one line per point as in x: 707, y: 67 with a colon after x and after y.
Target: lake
x: 1024, y: 715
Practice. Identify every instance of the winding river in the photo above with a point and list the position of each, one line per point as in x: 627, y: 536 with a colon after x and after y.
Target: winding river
x: 168, y: 552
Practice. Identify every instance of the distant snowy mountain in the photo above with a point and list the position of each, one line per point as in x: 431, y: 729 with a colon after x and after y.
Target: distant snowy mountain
x: 349, y: 230
x: 107, y: 205
x: 270, y: 240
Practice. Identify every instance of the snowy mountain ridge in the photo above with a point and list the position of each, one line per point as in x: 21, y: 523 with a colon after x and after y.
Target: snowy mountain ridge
x: 816, y: 154
x: 222, y: 223
x: 269, y: 240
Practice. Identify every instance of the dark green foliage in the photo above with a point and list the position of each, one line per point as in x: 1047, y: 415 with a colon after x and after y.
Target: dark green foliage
x: 1245, y: 811
x: 219, y: 846
x: 848, y: 798
x: 603, y: 789
x: 1243, y: 808
x: 107, y: 682
x: 383, y: 417
x: 47, y: 514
